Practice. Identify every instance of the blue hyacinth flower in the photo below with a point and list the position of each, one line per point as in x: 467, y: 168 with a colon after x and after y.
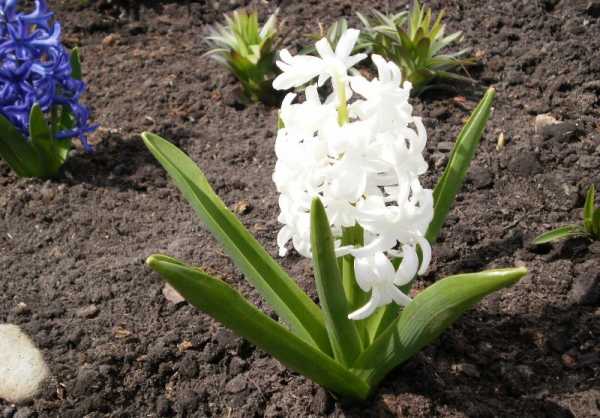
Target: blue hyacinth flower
x: 37, y: 71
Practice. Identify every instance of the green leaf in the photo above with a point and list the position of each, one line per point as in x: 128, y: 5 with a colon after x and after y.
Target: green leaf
x: 588, y: 209
x: 75, y: 64
x: 596, y: 224
x: 354, y: 294
x: 568, y: 231
x: 426, y: 317
x: 17, y: 151
x: 279, y: 290
x: 51, y: 153
x: 343, y: 336
x: 381, y: 319
x: 227, y: 306
x: 460, y: 159
x: 248, y: 52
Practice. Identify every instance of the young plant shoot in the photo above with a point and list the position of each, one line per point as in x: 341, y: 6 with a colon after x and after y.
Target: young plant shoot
x: 40, y: 88
x: 248, y: 52
x: 415, y: 45
x: 347, y: 171
x: 590, y: 227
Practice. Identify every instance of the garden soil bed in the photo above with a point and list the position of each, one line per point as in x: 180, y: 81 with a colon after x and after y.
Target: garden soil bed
x: 72, y: 250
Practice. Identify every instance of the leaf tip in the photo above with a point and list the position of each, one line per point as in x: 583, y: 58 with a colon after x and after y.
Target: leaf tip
x: 146, y: 135
x: 513, y: 275
x: 153, y: 261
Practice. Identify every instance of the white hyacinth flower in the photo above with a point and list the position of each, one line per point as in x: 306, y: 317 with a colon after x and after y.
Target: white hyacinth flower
x: 360, y: 153
x: 300, y: 69
x: 376, y: 274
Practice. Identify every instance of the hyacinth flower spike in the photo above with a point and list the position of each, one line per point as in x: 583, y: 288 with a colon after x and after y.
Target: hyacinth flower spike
x: 348, y: 173
x: 40, y: 90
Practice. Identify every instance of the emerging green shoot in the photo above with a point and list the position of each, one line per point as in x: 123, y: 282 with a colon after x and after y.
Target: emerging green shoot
x: 248, y: 51
x: 416, y: 42
x: 590, y: 227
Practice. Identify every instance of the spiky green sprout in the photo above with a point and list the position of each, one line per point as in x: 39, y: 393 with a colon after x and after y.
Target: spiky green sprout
x: 248, y: 51
x: 416, y: 45
x: 590, y: 227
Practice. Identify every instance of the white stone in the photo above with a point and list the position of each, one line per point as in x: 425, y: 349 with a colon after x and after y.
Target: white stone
x: 172, y: 295
x: 22, y: 367
x: 544, y: 120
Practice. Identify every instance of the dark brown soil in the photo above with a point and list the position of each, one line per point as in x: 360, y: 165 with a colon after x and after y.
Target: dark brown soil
x: 73, y: 249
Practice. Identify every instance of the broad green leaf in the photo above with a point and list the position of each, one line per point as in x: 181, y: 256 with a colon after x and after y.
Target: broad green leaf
x: 568, y: 231
x: 343, y: 335
x: 51, y: 153
x: 460, y: 159
x: 17, y: 151
x: 227, y: 306
x: 588, y: 209
x: 279, y: 290
x: 381, y: 319
x: 426, y: 317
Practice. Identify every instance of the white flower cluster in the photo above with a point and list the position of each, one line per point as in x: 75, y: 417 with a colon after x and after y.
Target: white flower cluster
x: 362, y: 158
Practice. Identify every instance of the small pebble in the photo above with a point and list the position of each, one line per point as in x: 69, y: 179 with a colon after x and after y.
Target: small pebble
x: 466, y: 369
x: 22, y: 309
x: 445, y: 146
x: 242, y: 207
x: 110, y: 40
x: 544, y: 120
x: 568, y: 360
x: 87, y: 311
x: 585, y: 289
x: 237, y: 384
x: 172, y: 295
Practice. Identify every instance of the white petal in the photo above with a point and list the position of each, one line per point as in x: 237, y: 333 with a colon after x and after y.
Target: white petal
x: 363, y: 271
x: 368, y: 309
x: 384, y: 268
x: 323, y: 47
x: 287, y: 100
x: 360, y: 85
x: 408, y: 267
x: 426, y: 251
x: 296, y: 70
x: 399, y: 297
x: 396, y: 73
x: 323, y: 77
x: 283, y: 236
x: 346, y: 43
x: 380, y: 63
x: 312, y: 95
x: 354, y: 59
x: 378, y: 244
